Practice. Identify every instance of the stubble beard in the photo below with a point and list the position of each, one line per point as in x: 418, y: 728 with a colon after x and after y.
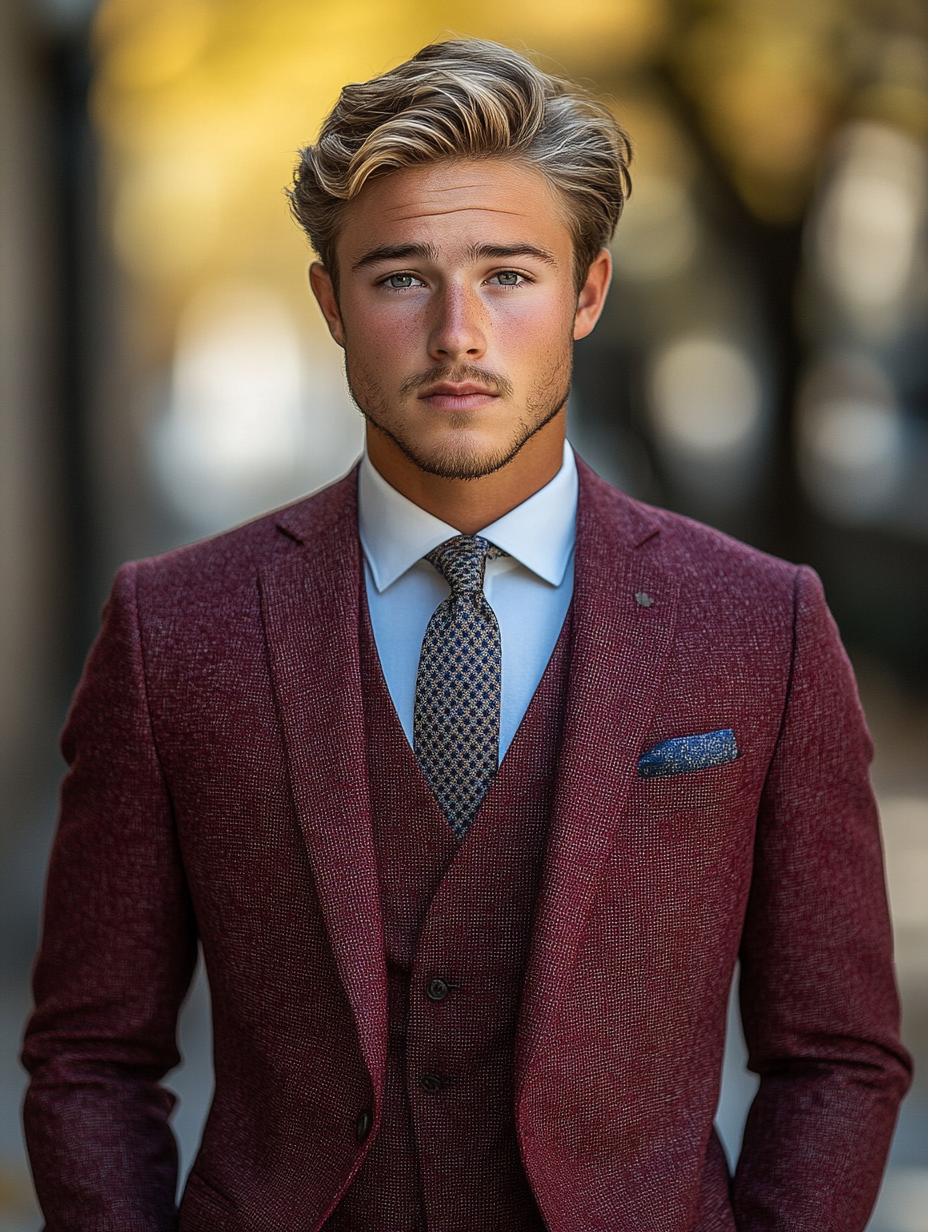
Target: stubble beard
x: 460, y: 457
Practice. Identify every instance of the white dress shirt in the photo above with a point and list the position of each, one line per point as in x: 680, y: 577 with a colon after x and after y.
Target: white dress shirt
x: 529, y: 590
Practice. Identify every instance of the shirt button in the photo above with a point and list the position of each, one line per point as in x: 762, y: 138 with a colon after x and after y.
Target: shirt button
x: 431, y: 1083
x: 437, y: 989
x: 362, y: 1126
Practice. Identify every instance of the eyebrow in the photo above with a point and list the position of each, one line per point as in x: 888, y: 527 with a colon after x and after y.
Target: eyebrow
x: 477, y: 252
x: 397, y: 252
x: 483, y: 252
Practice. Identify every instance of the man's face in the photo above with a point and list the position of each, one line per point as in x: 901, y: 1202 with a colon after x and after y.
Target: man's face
x: 457, y: 310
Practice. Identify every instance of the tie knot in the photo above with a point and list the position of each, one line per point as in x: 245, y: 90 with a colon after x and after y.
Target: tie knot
x: 461, y: 562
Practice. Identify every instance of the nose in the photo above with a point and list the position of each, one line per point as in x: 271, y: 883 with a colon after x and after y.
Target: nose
x: 457, y: 333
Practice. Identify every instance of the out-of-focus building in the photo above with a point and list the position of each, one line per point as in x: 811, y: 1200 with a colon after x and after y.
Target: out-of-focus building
x: 762, y: 363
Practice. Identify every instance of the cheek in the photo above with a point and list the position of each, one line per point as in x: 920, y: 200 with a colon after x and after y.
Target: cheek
x: 378, y: 324
x: 533, y: 331
x: 382, y: 338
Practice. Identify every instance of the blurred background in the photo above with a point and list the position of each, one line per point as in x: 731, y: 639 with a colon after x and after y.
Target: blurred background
x: 762, y: 364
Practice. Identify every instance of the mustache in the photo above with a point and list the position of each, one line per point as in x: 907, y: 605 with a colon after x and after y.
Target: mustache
x: 495, y: 382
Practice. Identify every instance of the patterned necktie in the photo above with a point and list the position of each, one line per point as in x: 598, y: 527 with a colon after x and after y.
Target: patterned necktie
x: 456, y: 726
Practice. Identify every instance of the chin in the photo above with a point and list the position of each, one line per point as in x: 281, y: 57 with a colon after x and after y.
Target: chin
x: 458, y: 445
x: 460, y: 454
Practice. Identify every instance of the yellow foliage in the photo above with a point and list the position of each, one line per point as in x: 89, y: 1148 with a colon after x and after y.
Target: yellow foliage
x: 202, y: 104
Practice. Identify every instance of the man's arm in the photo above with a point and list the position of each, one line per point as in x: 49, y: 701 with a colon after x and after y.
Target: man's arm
x: 117, y: 955
x: 818, y: 996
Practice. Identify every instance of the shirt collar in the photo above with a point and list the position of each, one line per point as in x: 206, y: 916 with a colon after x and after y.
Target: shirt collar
x: 395, y: 533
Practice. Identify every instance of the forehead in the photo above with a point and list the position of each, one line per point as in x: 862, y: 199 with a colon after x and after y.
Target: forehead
x: 456, y: 203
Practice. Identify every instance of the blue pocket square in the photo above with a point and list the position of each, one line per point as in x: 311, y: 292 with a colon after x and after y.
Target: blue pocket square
x: 683, y: 754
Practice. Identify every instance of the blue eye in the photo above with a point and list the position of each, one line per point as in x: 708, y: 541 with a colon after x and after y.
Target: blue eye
x: 399, y: 282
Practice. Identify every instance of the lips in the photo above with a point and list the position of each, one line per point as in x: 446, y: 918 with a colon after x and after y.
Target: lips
x: 457, y: 396
x: 455, y: 389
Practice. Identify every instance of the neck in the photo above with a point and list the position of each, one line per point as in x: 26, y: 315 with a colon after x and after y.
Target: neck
x: 471, y: 504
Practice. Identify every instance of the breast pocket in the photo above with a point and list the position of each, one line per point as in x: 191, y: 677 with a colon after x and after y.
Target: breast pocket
x: 692, y: 790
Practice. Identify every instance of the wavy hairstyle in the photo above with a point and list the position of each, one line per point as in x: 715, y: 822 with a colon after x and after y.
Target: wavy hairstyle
x: 466, y: 99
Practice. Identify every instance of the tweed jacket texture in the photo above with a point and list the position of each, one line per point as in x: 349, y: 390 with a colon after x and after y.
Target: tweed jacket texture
x: 218, y: 791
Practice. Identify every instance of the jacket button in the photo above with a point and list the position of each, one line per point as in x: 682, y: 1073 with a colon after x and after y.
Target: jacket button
x: 362, y: 1126
x: 430, y: 1083
x: 437, y: 989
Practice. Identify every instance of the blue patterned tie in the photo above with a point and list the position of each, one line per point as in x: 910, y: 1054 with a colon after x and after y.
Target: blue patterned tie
x: 456, y: 726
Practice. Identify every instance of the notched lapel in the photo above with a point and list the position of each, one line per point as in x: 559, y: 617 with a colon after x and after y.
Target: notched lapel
x: 625, y: 607
x: 309, y: 603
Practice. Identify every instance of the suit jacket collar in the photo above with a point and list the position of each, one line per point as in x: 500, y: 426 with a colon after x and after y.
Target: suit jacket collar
x: 310, y: 601
x: 630, y: 522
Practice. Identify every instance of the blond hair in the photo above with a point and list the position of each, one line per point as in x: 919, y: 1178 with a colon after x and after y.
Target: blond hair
x: 465, y: 99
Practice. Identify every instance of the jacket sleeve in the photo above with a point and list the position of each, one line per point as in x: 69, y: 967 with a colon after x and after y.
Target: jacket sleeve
x: 117, y: 955
x: 818, y: 995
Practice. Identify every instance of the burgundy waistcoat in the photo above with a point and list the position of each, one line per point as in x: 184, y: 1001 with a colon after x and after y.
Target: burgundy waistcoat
x: 457, y: 925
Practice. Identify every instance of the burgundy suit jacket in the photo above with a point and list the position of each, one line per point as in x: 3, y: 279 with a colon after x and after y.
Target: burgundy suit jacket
x: 218, y: 792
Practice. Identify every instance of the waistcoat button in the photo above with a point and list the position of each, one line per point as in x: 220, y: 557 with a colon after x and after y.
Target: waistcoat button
x: 362, y: 1126
x: 437, y: 989
x: 431, y: 1083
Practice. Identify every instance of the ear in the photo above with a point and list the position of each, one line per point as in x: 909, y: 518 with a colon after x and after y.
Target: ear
x: 592, y: 296
x: 321, y: 282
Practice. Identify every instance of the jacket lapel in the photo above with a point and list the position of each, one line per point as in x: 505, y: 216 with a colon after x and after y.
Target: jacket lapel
x: 619, y: 656
x: 310, y: 609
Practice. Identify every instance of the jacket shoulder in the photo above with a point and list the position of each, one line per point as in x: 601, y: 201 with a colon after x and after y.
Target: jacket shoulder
x: 225, y: 561
x: 696, y: 553
x: 698, y: 549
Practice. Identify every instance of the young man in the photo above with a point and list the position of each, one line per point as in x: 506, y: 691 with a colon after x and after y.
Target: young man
x: 472, y: 776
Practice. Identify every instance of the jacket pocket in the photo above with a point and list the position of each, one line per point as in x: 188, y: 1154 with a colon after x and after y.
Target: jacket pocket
x: 694, y: 789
